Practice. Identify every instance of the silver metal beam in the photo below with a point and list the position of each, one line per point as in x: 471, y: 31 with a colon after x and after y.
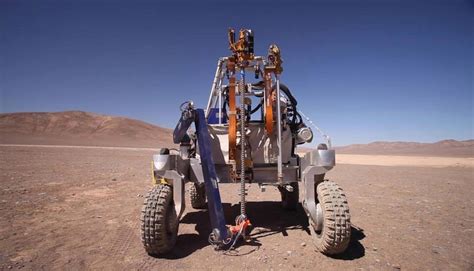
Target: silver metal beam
x: 279, y: 162
x: 220, y: 62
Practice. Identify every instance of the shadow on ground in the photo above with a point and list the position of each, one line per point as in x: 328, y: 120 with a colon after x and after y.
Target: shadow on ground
x: 355, y: 250
x: 269, y: 217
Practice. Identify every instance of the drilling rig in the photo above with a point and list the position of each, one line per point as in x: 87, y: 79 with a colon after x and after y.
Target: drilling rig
x: 248, y: 133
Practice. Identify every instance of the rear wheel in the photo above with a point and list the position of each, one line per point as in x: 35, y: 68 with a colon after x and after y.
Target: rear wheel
x: 159, y: 220
x: 197, y: 192
x: 289, y: 200
x: 333, y: 234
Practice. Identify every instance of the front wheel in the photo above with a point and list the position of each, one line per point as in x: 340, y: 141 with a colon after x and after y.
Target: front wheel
x: 333, y: 235
x: 159, y: 220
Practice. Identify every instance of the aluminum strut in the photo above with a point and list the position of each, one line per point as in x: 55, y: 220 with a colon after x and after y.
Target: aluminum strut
x: 280, y: 169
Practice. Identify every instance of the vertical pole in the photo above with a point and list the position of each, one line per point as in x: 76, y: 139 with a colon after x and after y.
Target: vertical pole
x: 220, y: 95
x: 242, y: 141
x: 220, y: 105
x: 280, y: 169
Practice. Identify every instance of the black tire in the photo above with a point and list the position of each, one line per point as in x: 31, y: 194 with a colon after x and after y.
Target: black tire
x: 159, y: 220
x: 336, y: 230
x: 197, y: 192
x: 289, y: 200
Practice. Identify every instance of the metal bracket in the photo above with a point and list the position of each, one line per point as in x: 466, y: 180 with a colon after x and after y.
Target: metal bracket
x: 178, y: 190
x: 311, y: 176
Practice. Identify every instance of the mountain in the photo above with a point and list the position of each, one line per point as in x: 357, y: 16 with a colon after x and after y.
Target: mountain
x: 90, y: 129
x: 447, y: 147
x: 80, y: 128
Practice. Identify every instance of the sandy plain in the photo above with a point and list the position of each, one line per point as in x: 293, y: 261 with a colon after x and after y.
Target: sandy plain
x: 78, y: 208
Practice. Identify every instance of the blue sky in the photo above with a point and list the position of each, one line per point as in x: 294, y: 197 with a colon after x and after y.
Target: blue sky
x: 362, y: 70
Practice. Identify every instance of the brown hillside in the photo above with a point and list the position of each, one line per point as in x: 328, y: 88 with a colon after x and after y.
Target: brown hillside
x: 80, y: 128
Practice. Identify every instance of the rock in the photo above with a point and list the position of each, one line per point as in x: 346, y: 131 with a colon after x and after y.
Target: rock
x: 377, y: 260
x: 303, y: 244
x: 9, y: 267
x: 374, y: 248
x: 289, y: 252
x: 396, y: 266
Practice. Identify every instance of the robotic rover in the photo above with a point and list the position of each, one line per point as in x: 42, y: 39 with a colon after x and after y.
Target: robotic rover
x: 236, y: 142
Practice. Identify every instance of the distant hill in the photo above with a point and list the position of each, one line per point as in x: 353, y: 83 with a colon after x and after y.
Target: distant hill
x: 90, y: 129
x: 448, y: 147
x: 80, y: 128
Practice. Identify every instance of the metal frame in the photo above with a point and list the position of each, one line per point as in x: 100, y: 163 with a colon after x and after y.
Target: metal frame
x: 177, y: 168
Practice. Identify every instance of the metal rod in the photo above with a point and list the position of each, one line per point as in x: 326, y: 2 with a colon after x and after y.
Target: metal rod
x: 242, y: 142
x: 220, y: 104
x: 221, y: 79
x: 214, y: 84
x: 280, y: 169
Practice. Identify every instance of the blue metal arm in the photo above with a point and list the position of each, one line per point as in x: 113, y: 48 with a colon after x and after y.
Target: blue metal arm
x: 216, y: 212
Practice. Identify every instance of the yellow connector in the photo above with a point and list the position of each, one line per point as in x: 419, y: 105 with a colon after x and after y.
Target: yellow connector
x: 154, y: 181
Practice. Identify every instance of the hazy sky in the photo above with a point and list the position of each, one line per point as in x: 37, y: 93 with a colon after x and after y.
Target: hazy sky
x: 362, y: 70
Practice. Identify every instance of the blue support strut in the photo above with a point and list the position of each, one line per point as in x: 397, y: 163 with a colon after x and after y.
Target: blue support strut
x: 216, y: 212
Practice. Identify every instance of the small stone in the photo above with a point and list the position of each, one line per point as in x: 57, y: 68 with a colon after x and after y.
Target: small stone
x: 377, y: 260
x: 9, y: 267
x: 303, y: 244
x: 289, y: 252
x: 114, y: 179
x: 396, y: 266
x: 374, y: 249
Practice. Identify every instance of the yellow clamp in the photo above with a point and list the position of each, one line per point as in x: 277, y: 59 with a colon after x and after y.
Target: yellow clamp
x: 154, y: 181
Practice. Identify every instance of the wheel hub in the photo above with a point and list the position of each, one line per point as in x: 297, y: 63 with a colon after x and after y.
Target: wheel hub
x: 319, y: 220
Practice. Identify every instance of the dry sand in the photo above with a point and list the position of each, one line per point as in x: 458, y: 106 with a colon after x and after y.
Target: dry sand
x: 74, y: 208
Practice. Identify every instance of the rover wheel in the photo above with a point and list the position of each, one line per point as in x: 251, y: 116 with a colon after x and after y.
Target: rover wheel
x: 289, y: 200
x: 159, y: 220
x: 197, y: 193
x: 333, y: 234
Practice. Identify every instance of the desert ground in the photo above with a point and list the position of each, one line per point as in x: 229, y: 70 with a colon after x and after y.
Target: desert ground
x: 78, y: 208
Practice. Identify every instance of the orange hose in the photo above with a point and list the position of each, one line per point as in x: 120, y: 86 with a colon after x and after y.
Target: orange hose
x: 268, y: 103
